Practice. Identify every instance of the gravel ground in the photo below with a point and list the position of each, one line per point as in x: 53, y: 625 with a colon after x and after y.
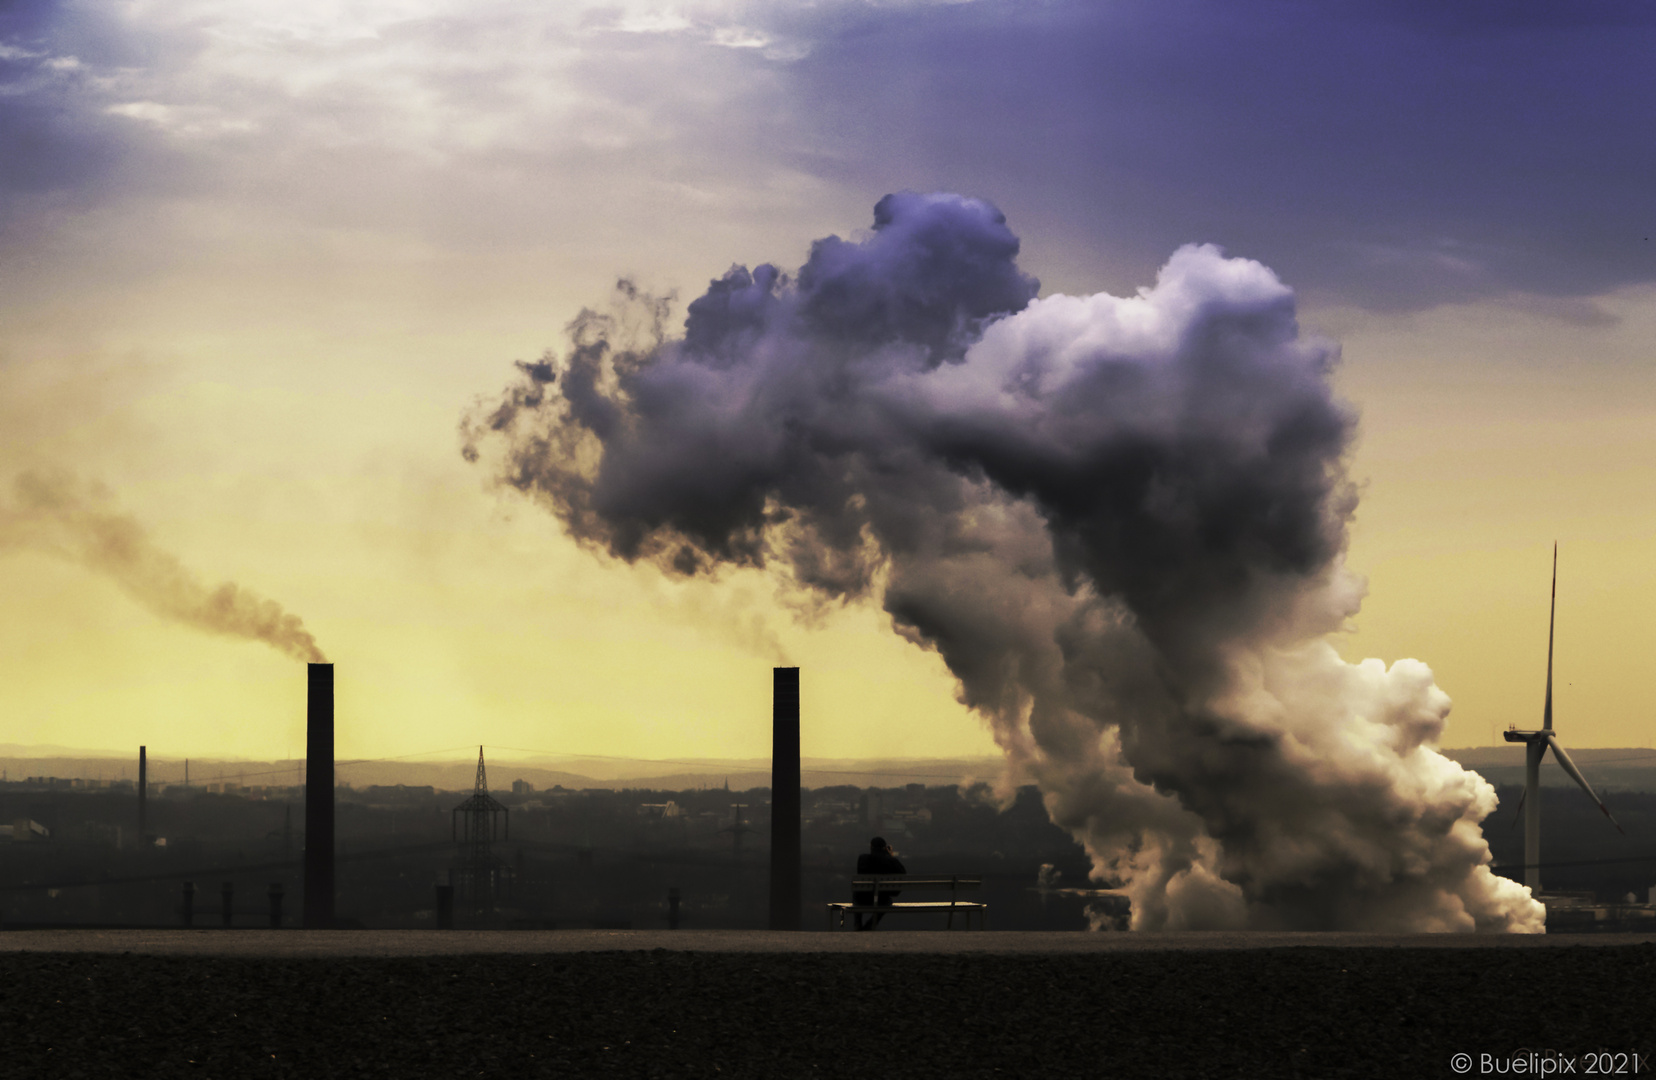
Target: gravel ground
x: 1312, y: 1011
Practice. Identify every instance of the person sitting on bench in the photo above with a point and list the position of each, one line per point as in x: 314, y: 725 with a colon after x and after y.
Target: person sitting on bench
x: 879, y: 860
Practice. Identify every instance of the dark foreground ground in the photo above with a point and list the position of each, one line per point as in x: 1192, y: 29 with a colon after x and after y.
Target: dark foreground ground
x: 1303, y: 1010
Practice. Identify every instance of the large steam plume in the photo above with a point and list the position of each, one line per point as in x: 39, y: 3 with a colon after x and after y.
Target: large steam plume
x: 71, y: 519
x: 1121, y: 521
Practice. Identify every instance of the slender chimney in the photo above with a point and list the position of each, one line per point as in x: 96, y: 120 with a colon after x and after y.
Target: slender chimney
x: 784, y: 854
x: 143, y: 796
x: 319, y: 798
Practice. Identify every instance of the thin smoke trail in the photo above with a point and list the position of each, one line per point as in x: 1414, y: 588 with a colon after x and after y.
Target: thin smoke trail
x: 1121, y: 521
x: 68, y: 518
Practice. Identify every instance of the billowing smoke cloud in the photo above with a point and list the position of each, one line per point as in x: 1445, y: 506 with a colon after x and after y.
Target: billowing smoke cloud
x: 65, y: 517
x: 1121, y: 521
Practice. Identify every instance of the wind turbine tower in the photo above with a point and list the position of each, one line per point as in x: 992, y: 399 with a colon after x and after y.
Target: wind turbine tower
x: 1536, y: 744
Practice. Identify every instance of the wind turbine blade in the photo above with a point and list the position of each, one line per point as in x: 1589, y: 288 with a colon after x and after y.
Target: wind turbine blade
x: 1575, y: 774
x: 1552, y: 610
x: 1518, y: 815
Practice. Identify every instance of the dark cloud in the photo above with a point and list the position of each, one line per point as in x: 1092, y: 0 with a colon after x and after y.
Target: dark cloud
x: 931, y: 273
x: 1119, y: 521
x: 732, y: 313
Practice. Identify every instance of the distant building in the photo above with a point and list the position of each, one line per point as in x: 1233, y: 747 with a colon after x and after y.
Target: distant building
x: 25, y: 830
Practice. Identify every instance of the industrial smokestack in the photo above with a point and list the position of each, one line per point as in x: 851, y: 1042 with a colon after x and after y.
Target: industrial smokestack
x: 784, y: 853
x: 319, y: 798
x: 143, y: 795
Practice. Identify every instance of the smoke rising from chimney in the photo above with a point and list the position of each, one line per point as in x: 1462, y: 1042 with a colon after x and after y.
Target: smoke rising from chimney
x: 1120, y: 520
x: 71, y: 519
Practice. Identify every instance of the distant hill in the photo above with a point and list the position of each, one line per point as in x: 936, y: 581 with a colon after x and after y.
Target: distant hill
x: 543, y: 773
x: 1622, y: 769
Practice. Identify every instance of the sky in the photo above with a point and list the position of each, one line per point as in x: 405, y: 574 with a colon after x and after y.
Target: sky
x: 256, y: 264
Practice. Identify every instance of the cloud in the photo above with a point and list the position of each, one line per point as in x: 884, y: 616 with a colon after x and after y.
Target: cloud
x: 1119, y: 520
x: 362, y: 121
x: 1394, y: 155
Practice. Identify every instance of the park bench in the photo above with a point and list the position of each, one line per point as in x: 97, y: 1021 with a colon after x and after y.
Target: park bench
x: 890, y: 883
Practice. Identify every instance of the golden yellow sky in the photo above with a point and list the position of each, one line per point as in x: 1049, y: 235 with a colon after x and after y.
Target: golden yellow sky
x: 259, y: 328
x: 1489, y: 432
x: 459, y: 615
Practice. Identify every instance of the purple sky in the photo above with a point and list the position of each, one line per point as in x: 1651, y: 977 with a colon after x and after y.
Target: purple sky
x: 1383, y: 154
x: 1392, y: 154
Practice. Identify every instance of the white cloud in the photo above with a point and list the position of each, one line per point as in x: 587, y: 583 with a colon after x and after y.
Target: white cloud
x: 652, y: 22
x: 739, y: 37
x: 185, y: 122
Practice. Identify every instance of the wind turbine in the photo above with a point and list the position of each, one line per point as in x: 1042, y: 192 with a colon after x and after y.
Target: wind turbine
x: 1535, y: 748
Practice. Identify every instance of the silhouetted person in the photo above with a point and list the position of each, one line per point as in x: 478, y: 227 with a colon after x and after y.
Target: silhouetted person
x: 879, y: 860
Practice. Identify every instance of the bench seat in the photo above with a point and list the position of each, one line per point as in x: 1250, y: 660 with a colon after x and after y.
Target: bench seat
x: 903, y: 883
